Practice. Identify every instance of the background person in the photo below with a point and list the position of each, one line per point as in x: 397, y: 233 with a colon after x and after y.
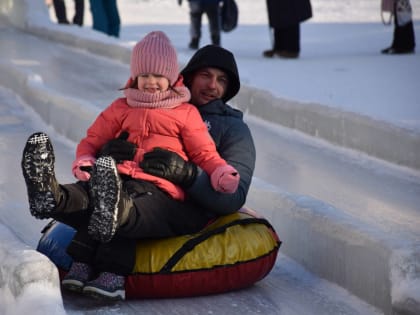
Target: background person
x: 284, y: 17
x: 212, y: 10
x: 403, y: 41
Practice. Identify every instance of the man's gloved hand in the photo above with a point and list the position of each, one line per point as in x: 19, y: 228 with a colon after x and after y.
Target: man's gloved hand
x: 170, y: 166
x: 179, y: 2
x: 119, y: 149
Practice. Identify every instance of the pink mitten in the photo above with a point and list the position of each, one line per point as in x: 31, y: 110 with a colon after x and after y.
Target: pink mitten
x: 84, y: 160
x: 225, y: 179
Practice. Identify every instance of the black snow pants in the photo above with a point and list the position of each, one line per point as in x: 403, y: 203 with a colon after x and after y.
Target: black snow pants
x: 153, y: 214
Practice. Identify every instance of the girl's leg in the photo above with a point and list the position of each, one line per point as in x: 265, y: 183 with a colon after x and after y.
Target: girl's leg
x: 82, y: 250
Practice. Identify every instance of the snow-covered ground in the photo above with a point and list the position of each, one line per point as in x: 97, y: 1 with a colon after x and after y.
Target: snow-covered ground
x: 340, y: 66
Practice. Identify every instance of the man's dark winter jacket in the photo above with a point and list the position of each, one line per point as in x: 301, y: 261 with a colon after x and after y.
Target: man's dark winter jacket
x: 235, y: 144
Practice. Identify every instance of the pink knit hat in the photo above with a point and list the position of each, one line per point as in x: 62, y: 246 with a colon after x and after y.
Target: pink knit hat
x: 155, y: 54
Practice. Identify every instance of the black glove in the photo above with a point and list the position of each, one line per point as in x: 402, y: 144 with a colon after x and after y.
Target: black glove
x: 170, y: 166
x: 119, y: 149
x: 179, y: 2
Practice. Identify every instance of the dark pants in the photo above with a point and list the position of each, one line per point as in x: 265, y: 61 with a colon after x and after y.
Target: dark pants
x: 403, y: 35
x: 61, y: 14
x: 287, y: 38
x: 213, y: 15
x: 106, y: 18
x: 154, y: 215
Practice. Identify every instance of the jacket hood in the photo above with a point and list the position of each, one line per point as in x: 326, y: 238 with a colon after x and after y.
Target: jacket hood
x: 215, y: 57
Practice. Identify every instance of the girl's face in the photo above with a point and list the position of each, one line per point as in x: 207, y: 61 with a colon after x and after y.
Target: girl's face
x: 152, y: 83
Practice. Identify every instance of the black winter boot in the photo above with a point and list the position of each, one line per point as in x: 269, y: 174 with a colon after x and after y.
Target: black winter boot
x: 38, y: 170
x: 111, y: 204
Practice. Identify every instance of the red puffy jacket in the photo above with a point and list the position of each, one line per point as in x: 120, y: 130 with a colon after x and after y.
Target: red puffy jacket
x: 180, y: 129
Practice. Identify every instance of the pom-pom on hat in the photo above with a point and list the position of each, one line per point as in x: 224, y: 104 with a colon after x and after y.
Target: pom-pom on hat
x: 155, y: 54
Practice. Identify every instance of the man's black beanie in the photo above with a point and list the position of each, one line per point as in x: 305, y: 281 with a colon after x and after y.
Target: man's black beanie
x: 215, y: 57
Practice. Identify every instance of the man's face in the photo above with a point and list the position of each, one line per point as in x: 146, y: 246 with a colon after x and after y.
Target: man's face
x: 208, y: 84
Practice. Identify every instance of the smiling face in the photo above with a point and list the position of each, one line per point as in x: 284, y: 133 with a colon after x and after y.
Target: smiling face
x: 152, y: 83
x: 208, y: 84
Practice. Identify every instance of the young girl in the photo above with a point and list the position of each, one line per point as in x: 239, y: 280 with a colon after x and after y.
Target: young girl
x: 154, y: 113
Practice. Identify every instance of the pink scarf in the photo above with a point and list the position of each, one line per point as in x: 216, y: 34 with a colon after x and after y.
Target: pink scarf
x: 168, y: 99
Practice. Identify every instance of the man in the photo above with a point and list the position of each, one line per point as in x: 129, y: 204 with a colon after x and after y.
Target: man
x: 213, y: 79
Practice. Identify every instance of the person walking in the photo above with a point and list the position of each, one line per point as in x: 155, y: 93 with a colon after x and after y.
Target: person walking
x: 154, y: 113
x: 61, y: 14
x: 212, y: 10
x: 284, y: 18
x: 105, y: 16
x: 403, y: 41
